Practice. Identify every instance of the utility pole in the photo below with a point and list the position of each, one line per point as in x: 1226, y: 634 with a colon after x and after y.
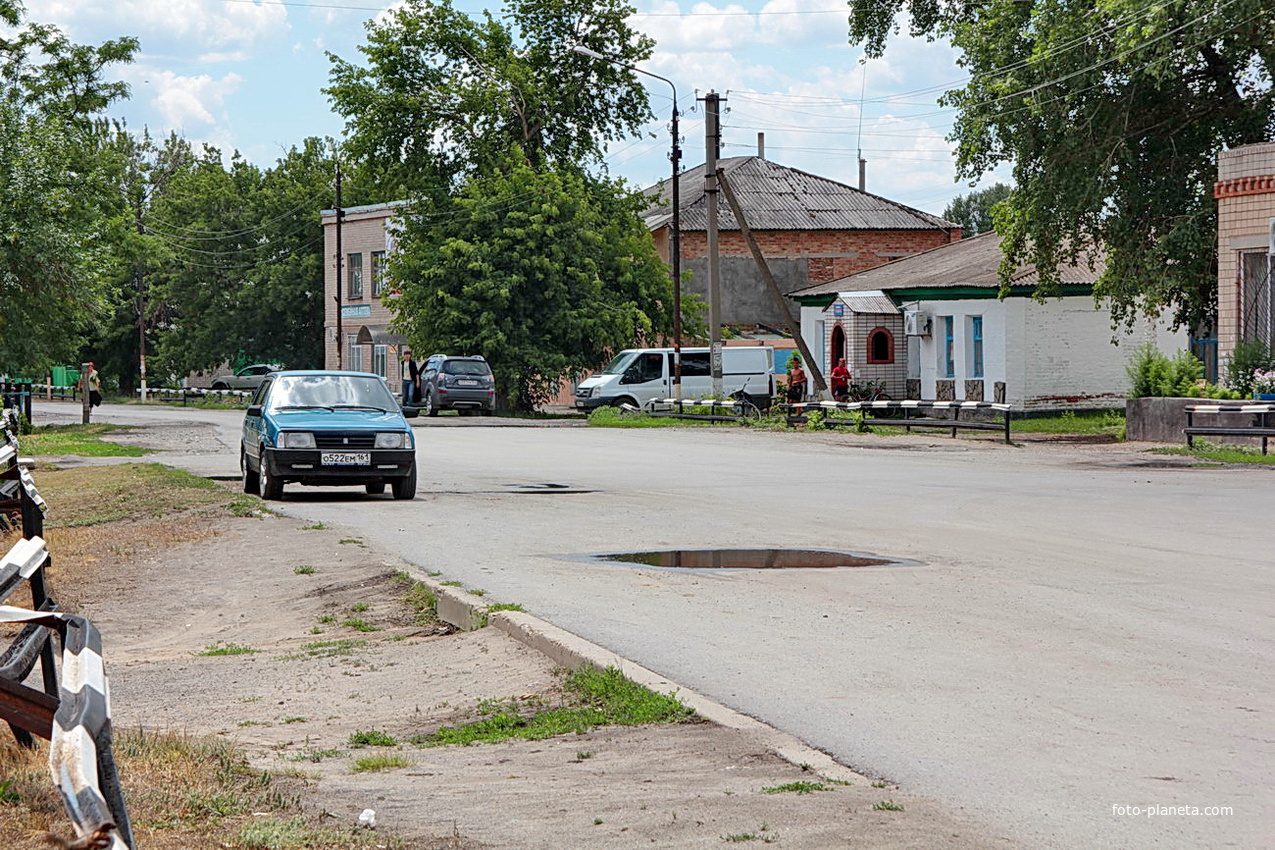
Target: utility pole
x: 675, y: 250
x: 141, y: 306
x: 339, y: 216
x: 712, y: 144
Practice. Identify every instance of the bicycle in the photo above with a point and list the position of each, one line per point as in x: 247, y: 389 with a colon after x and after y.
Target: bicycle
x: 869, y: 391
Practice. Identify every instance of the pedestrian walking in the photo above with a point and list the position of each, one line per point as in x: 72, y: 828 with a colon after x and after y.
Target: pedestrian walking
x: 839, y: 381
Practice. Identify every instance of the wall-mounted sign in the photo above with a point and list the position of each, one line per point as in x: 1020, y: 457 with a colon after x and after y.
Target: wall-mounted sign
x: 356, y: 311
x: 838, y: 309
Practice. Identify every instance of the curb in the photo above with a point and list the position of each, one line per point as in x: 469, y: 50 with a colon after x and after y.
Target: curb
x: 459, y: 608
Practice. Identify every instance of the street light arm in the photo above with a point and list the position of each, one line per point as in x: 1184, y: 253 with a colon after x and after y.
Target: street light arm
x: 593, y: 54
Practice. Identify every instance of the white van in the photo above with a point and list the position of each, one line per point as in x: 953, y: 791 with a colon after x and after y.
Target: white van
x: 636, y: 376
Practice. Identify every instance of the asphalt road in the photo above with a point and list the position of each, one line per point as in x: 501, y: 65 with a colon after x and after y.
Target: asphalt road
x: 1085, y: 629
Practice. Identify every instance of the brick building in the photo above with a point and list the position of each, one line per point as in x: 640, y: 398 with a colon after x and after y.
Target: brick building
x: 964, y: 342
x: 1245, y: 193
x: 810, y: 229
x: 364, y: 341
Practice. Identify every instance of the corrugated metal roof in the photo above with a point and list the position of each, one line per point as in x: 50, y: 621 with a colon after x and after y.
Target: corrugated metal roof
x: 866, y: 302
x: 776, y: 197
x: 966, y: 262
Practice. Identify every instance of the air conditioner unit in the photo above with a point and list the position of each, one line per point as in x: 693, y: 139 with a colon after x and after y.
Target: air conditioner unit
x: 916, y: 323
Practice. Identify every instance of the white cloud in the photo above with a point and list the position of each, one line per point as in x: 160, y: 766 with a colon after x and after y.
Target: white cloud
x: 165, y: 26
x: 183, y: 101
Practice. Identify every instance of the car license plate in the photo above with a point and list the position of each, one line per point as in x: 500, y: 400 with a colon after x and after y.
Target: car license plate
x: 345, y: 458
x: 464, y: 383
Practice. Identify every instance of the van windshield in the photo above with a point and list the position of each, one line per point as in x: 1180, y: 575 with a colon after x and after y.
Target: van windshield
x: 619, y: 363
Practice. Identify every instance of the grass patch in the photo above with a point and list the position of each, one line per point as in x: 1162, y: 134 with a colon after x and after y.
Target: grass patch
x: 353, y: 540
x: 420, y: 599
x: 1205, y: 450
x: 594, y: 698
x: 380, y: 761
x: 797, y: 788
x: 81, y: 440
x: 325, y: 649
x: 372, y: 738
x: 1071, y: 422
x: 613, y: 417
x: 503, y: 606
x: 360, y: 625
x: 887, y: 806
x: 249, y: 506
x: 318, y: 526
x: 96, y: 495
x: 304, y: 570
x: 183, y: 792
x: 222, y: 648
x: 452, y: 583
x: 316, y: 756
x: 359, y: 607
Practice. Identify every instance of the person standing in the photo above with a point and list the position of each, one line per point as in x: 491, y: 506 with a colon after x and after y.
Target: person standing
x: 796, y: 380
x: 839, y: 381
x: 411, y: 379
x: 95, y: 386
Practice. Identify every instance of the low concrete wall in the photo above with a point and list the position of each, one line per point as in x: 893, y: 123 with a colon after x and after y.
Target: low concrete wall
x: 1156, y: 420
x: 1161, y: 420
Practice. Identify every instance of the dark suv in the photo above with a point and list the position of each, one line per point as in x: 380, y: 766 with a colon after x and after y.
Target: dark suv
x: 463, y: 384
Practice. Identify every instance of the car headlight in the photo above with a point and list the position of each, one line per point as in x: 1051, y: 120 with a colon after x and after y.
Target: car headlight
x: 393, y: 440
x: 296, y: 440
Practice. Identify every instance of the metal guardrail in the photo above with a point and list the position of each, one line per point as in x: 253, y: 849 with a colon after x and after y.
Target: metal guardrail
x: 743, y: 409
x: 187, y: 393
x: 910, y: 408
x: 73, y: 710
x: 1260, y: 426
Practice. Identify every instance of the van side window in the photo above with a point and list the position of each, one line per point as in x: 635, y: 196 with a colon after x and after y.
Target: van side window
x: 696, y: 365
x: 650, y: 366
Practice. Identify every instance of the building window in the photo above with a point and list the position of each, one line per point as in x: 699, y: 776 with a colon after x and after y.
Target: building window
x: 380, y: 360
x: 976, y: 346
x: 378, y: 273
x: 880, y: 345
x: 947, y: 365
x: 354, y: 266
x: 1257, y: 307
x: 353, y: 353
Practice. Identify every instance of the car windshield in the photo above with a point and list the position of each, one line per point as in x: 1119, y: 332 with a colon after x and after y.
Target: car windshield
x: 466, y: 367
x: 619, y: 363
x: 330, y: 391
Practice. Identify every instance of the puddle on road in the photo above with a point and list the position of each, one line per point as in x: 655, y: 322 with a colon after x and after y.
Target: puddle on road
x: 750, y: 559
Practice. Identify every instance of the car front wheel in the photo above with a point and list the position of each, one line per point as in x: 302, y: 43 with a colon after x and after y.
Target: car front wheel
x: 405, y: 487
x: 271, y: 487
x: 250, y: 483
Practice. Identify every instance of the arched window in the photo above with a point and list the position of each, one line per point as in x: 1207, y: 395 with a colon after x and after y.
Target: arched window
x: 837, y: 346
x: 880, y: 346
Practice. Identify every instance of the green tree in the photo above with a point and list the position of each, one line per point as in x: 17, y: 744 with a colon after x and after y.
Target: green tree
x: 538, y: 271
x: 973, y: 212
x: 58, y: 173
x: 1112, y: 113
x: 444, y: 95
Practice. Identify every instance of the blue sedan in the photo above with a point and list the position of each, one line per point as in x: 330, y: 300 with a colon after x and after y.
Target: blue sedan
x: 326, y: 428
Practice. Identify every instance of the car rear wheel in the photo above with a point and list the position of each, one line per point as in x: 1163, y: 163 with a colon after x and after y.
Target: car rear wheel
x: 250, y: 483
x: 374, y: 488
x: 431, y: 406
x: 405, y: 487
x: 271, y: 487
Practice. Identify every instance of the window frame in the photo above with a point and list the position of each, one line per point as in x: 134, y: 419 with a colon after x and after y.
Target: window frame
x: 376, y: 268
x: 977, y: 359
x: 948, y: 361
x: 354, y: 276
x: 875, y: 334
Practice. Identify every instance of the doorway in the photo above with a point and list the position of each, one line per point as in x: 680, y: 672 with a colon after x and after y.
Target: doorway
x: 837, y: 345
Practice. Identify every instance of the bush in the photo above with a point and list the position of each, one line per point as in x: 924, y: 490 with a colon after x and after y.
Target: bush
x: 1248, y: 356
x: 1153, y: 374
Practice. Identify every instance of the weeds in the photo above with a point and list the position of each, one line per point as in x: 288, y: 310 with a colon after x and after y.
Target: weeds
x: 386, y: 761
x: 597, y: 698
x: 503, y: 606
x: 372, y: 738
x: 80, y: 440
x: 360, y: 625
x: 318, y: 526
x: 797, y: 788
x: 887, y: 806
x: 222, y: 648
x: 1205, y: 450
x: 304, y: 570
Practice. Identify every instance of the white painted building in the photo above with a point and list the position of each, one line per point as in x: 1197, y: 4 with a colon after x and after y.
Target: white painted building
x: 962, y: 341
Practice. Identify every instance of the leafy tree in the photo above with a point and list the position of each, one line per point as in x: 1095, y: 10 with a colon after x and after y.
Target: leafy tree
x: 1112, y: 113
x: 538, y: 271
x: 973, y: 212
x: 444, y: 95
x: 57, y: 190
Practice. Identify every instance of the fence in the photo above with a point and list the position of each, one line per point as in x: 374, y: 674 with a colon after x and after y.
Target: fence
x: 189, y: 393
x: 72, y: 711
x: 705, y: 409
x: 1230, y: 419
x: 912, y: 413
x: 17, y: 394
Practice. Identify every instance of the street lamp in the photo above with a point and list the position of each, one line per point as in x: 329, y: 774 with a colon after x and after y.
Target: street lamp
x: 675, y: 234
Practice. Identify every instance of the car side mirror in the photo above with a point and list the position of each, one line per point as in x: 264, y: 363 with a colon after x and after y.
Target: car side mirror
x: 631, y: 376
x: 254, y: 410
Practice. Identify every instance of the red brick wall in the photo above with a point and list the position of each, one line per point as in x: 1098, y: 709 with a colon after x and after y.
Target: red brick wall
x: 830, y: 253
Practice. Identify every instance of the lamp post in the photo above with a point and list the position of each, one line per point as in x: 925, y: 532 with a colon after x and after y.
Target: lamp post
x: 675, y: 232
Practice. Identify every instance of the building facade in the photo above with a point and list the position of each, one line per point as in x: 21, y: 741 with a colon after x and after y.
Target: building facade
x: 356, y: 323
x: 1245, y: 193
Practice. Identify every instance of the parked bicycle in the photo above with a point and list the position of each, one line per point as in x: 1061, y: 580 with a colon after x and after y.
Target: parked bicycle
x: 869, y: 391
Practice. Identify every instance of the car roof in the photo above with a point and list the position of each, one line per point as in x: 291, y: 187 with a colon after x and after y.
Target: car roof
x: 293, y: 373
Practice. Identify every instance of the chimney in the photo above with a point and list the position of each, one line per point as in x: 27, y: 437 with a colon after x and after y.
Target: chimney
x: 761, y: 145
x: 863, y: 174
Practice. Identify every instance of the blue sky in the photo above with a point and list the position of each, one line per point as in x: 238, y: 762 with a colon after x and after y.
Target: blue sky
x: 247, y: 74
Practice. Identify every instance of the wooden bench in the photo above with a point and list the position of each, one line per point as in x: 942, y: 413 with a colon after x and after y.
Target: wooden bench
x: 1259, y: 425
x: 917, y: 413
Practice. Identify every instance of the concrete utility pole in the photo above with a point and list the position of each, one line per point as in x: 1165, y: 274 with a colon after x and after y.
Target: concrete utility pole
x: 789, y: 325
x: 85, y: 387
x: 339, y: 216
x: 712, y: 144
